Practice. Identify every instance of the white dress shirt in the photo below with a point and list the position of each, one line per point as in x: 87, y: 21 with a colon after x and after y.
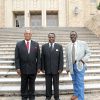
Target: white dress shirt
x: 52, y: 45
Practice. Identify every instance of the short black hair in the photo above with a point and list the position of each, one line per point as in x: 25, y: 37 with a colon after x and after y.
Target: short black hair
x: 73, y: 32
x: 51, y: 33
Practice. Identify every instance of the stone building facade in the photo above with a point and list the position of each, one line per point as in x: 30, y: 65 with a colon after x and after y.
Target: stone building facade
x: 46, y: 13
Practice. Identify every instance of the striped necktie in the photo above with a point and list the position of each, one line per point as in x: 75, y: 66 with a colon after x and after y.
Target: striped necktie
x: 73, y: 53
x: 27, y: 45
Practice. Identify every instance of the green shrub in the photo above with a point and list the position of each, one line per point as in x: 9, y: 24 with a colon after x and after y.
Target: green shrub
x: 98, y: 7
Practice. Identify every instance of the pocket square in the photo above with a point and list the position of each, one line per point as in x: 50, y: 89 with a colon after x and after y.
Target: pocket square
x: 57, y: 50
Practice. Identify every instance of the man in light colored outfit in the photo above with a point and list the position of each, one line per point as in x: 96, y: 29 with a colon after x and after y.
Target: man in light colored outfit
x: 77, y: 54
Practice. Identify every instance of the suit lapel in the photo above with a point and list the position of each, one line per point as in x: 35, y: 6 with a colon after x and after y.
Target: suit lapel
x: 32, y: 47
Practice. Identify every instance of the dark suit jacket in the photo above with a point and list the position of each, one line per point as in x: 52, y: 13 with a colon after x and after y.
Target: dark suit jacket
x: 28, y: 63
x: 52, y: 61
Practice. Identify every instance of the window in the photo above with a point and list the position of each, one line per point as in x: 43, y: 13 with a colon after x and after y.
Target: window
x: 93, y: 1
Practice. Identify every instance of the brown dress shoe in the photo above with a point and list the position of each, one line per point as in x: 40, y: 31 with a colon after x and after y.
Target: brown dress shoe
x: 74, y: 97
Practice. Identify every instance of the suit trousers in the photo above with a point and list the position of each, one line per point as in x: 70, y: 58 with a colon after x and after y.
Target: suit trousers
x: 78, y: 82
x: 28, y: 86
x: 49, y: 78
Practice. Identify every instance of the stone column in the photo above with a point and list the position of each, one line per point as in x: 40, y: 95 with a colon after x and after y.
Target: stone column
x: 2, y: 15
x: 62, y: 13
x: 27, y: 18
x: 8, y: 13
x: 27, y: 14
x: 44, y: 13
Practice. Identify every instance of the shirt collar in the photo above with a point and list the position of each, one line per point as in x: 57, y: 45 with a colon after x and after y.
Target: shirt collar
x: 75, y: 43
x: 28, y: 41
x: 52, y: 44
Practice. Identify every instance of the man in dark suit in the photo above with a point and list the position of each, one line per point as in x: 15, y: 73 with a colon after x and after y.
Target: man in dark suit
x: 27, y: 62
x: 52, y: 65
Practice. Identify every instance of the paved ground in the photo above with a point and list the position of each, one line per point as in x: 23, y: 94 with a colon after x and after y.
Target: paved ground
x: 88, y: 96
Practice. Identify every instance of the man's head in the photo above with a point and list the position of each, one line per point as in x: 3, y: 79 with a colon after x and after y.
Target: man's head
x: 27, y: 34
x: 51, y: 37
x: 73, y: 36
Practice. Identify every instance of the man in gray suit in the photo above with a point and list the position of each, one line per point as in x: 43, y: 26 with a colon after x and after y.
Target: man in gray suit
x: 27, y: 62
x: 77, y: 54
x: 52, y: 65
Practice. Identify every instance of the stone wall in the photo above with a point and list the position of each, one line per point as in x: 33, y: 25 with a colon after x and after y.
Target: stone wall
x: 94, y: 24
x: 2, y: 13
x: 71, y: 13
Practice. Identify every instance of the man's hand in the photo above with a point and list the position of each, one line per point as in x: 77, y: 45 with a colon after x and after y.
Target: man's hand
x: 18, y: 71
x: 67, y: 71
x: 43, y: 71
x: 38, y: 71
x: 59, y: 71
x: 82, y: 61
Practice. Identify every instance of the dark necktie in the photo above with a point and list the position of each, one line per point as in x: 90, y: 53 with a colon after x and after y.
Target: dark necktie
x: 50, y: 46
x: 73, y: 53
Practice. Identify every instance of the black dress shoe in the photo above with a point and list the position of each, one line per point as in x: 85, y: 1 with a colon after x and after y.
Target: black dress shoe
x: 31, y: 98
x: 57, y: 99
x: 24, y: 98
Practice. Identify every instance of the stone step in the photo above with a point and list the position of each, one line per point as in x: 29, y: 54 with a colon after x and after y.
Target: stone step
x: 10, y: 59
x: 89, y: 42
x: 88, y: 66
x: 11, y: 62
x: 64, y: 36
x: 90, y: 72
x: 92, y: 64
x: 12, y: 67
x: 8, y: 51
x: 40, y: 44
x: 42, y: 36
x: 8, y: 56
x: 45, y: 35
x: 45, y: 40
x: 41, y: 89
x: 45, y: 29
x: 41, y: 80
x: 12, y: 49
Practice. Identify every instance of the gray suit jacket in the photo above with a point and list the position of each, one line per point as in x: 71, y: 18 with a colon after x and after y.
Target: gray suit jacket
x: 83, y: 53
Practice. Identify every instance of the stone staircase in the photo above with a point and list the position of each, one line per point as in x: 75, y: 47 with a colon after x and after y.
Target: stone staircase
x: 10, y: 81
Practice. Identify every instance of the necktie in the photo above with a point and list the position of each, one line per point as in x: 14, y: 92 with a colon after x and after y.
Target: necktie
x: 27, y: 45
x: 50, y: 46
x: 73, y: 53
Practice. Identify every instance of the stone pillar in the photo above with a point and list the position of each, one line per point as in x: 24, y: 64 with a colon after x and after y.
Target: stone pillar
x: 27, y: 18
x: 8, y: 14
x: 44, y: 13
x: 2, y: 15
x: 27, y: 14
x: 62, y: 13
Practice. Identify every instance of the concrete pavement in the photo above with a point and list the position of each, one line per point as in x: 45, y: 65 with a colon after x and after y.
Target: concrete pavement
x: 88, y: 96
